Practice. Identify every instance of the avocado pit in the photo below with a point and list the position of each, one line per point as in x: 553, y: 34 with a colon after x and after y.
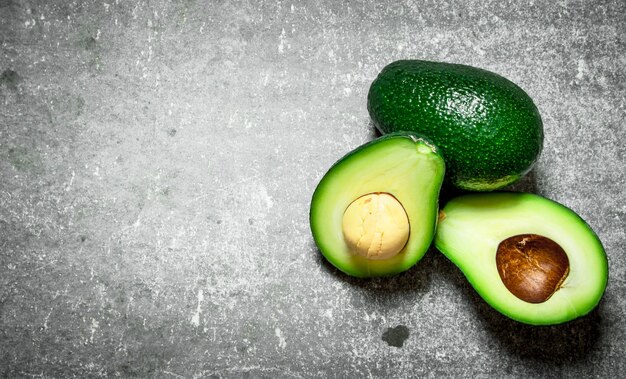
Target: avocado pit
x: 531, y: 266
x: 376, y: 226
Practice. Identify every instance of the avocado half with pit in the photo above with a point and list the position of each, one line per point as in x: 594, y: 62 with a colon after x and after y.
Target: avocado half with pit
x: 531, y: 258
x: 374, y: 212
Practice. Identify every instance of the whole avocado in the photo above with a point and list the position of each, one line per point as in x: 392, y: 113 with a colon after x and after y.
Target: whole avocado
x: 488, y: 129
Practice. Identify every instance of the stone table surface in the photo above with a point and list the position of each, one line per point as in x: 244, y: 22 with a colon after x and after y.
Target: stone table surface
x: 158, y: 160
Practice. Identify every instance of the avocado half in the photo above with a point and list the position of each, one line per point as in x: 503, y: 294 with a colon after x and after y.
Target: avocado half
x: 403, y: 166
x: 531, y: 258
x: 488, y: 129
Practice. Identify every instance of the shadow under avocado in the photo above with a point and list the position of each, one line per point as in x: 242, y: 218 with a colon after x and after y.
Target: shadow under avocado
x: 388, y: 291
x: 373, y: 130
x: 527, y: 184
x: 551, y: 344
x: 554, y: 344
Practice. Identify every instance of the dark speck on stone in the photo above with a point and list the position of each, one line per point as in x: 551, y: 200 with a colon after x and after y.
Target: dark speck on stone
x: 9, y: 78
x: 396, y: 336
x: 83, y: 238
x: 89, y: 43
x: 171, y: 132
x: 250, y: 221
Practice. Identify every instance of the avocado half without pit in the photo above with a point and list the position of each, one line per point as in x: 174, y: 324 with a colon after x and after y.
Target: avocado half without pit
x: 532, y: 259
x: 374, y: 212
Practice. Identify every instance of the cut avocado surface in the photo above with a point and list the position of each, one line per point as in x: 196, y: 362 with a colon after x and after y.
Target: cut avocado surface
x: 374, y: 212
x: 532, y: 259
x: 488, y: 129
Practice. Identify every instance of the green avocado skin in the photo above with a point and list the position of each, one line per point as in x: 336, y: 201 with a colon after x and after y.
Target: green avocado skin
x: 488, y: 129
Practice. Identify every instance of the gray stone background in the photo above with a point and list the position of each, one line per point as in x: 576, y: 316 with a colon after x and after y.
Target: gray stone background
x: 158, y: 159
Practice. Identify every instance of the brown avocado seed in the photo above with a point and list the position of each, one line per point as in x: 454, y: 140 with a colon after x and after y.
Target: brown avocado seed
x: 531, y: 266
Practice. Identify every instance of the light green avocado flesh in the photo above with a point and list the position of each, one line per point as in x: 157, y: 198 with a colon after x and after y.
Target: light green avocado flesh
x: 472, y: 226
x: 401, y: 164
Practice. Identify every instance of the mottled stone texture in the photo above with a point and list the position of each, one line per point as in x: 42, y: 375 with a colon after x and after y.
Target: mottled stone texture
x: 158, y: 158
